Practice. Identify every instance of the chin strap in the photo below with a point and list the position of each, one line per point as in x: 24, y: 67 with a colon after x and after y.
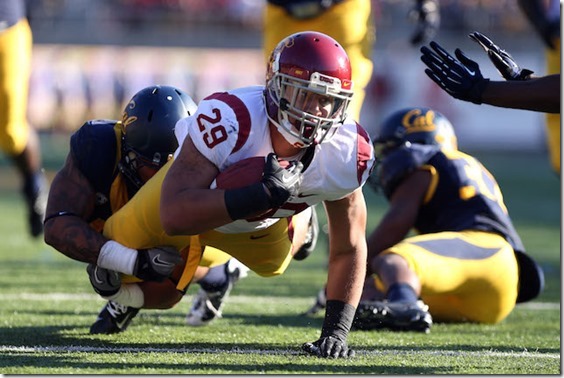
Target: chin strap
x: 130, y: 175
x: 308, y: 156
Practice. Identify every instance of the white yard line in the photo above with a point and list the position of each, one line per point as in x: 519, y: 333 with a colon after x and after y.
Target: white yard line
x: 241, y: 299
x: 86, y: 349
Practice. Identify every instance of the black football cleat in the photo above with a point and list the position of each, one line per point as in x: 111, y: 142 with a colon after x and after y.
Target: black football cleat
x: 311, y: 237
x: 396, y: 316
x: 114, y: 318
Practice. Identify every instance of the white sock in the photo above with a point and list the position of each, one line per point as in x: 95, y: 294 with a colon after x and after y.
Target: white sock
x: 129, y: 295
x: 115, y: 256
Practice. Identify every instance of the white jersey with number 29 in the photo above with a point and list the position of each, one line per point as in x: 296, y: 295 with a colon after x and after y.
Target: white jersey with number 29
x: 232, y: 126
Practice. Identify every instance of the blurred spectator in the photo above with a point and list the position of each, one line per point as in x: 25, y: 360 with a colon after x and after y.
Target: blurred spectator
x: 18, y: 140
x: 544, y: 16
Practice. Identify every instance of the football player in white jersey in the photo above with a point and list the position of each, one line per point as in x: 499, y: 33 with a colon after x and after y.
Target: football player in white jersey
x: 300, y: 116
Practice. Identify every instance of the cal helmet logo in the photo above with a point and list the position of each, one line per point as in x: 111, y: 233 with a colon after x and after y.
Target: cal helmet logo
x: 127, y: 120
x: 414, y: 121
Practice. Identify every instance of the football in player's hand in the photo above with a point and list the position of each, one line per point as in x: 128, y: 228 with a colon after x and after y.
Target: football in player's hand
x: 244, y: 172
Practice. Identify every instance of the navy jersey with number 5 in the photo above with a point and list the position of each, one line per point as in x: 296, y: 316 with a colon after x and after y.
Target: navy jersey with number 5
x: 463, y: 195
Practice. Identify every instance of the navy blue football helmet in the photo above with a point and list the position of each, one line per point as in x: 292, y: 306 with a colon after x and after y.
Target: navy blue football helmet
x: 416, y: 125
x: 148, y: 123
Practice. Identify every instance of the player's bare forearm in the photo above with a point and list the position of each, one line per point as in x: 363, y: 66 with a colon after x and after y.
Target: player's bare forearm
x: 71, y: 200
x: 538, y: 94
x: 75, y: 239
x: 348, y: 251
x: 187, y: 206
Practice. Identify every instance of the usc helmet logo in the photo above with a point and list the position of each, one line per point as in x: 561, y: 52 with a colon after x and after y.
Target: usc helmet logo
x: 414, y: 121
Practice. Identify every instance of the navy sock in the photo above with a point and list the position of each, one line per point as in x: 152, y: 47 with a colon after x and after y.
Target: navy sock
x: 401, y: 292
x: 215, y: 279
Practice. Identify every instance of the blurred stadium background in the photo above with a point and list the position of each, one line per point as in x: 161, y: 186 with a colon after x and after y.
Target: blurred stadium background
x: 91, y: 56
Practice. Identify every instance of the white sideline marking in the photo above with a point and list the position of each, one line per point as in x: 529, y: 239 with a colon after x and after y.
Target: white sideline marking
x: 251, y: 299
x: 539, y: 305
x: 454, y: 353
x: 89, y: 297
x: 241, y: 299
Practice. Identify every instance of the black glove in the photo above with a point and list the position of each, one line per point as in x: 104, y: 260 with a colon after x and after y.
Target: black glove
x: 333, y: 341
x: 156, y: 264
x: 277, y: 186
x: 282, y: 183
x: 428, y: 18
x: 501, y: 59
x: 105, y: 282
x: 461, y: 78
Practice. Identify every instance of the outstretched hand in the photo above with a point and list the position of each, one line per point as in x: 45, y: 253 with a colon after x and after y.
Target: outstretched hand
x: 502, y: 60
x: 460, y: 77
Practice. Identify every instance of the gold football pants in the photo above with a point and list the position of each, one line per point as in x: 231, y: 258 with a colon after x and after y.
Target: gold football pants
x: 15, y: 66
x: 465, y: 276
x: 137, y: 225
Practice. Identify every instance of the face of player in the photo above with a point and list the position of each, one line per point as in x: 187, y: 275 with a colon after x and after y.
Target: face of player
x: 312, y: 103
x: 147, y: 171
x: 302, y: 103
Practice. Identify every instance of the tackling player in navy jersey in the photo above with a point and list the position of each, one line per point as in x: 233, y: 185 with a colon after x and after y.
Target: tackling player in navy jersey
x: 108, y: 162
x: 468, y: 262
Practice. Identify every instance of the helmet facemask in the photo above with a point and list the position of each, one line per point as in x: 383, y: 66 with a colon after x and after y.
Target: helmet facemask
x: 295, y: 96
x: 132, y: 161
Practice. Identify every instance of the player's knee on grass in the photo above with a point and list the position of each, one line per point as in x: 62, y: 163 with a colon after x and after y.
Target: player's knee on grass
x: 160, y: 295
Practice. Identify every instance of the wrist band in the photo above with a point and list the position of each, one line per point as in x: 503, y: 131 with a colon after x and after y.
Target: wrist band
x: 59, y: 214
x: 115, y: 256
x: 244, y: 202
x: 338, y: 319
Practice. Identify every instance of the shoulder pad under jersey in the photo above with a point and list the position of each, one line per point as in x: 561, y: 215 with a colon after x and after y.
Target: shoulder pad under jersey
x: 94, y: 146
x: 402, y: 161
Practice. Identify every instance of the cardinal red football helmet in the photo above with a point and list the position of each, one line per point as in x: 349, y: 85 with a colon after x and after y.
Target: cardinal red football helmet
x: 309, y: 87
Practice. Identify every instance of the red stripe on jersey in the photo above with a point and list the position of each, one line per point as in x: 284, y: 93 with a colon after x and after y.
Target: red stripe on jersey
x: 295, y: 207
x: 241, y: 113
x: 363, y: 152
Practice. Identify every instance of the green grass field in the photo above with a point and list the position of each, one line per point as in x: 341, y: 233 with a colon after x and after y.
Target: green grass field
x: 47, y: 306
